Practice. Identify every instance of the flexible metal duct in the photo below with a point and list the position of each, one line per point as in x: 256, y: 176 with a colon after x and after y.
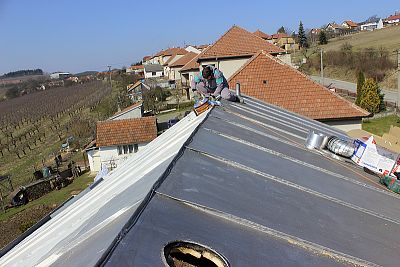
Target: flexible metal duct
x: 340, y: 147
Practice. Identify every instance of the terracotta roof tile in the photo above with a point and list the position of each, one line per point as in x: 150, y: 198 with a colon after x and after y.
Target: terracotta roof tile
x: 129, y: 131
x: 262, y: 34
x: 269, y: 79
x: 171, y: 51
x: 280, y: 35
x: 351, y: 23
x: 238, y: 42
x: 191, y: 65
x: 183, y: 60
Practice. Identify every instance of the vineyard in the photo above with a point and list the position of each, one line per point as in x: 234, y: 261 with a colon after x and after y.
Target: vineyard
x: 33, y: 127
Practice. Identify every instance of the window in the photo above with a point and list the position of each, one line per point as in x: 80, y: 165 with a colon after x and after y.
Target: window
x: 130, y: 147
x: 125, y: 149
x: 153, y: 73
x: 136, y: 147
x: 119, y: 150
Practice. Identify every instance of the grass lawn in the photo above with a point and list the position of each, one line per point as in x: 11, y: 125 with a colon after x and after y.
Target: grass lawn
x: 53, y: 198
x: 381, y: 125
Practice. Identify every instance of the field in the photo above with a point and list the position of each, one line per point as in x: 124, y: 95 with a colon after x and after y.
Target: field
x: 387, y: 40
x: 33, y: 127
x: 381, y: 125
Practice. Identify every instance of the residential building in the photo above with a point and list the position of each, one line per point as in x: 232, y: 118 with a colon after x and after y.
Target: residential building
x: 153, y: 70
x: 146, y: 59
x: 194, y: 49
x: 233, y: 49
x: 132, y: 112
x: 188, y: 71
x: 350, y: 25
x: 267, y: 78
x: 59, y: 75
x: 285, y: 42
x: 334, y: 28
x: 314, y: 34
x: 177, y: 65
x: 139, y: 70
x: 135, y: 91
x: 116, y: 140
x: 392, y: 20
x: 373, y: 24
x: 264, y: 36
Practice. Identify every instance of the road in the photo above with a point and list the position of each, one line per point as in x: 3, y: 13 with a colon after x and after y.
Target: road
x: 390, y: 94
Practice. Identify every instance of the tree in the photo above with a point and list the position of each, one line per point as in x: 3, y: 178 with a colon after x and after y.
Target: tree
x: 322, y: 38
x: 370, y: 96
x: 281, y: 30
x: 360, y: 83
x: 303, y: 42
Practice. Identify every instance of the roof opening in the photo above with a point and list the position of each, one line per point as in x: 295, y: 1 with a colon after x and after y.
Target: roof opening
x: 188, y: 254
x: 265, y: 82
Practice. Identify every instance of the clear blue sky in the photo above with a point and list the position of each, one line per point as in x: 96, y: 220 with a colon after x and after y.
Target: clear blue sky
x: 74, y: 36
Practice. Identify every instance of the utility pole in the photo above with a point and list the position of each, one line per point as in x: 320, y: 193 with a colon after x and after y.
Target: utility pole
x: 109, y: 71
x: 398, y: 79
x: 322, y: 69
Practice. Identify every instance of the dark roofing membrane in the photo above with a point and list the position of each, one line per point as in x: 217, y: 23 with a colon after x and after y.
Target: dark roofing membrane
x: 246, y: 186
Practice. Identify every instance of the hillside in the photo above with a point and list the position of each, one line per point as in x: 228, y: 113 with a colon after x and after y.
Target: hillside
x: 387, y: 39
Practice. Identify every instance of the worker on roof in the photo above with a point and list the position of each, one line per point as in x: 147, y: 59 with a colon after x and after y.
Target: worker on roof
x: 211, y: 82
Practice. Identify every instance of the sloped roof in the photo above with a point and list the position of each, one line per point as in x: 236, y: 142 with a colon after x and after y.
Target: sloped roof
x: 131, y: 107
x: 191, y: 65
x: 351, y: 23
x: 393, y: 17
x: 240, y: 171
x: 183, y: 60
x: 129, y: 131
x: 237, y: 42
x: 280, y: 35
x: 171, y: 51
x: 153, y: 67
x: 262, y: 34
x: 267, y: 78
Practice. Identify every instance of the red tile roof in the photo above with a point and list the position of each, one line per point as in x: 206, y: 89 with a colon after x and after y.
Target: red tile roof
x: 262, y: 34
x: 269, y: 79
x: 171, y: 51
x: 351, y: 23
x: 145, y: 58
x: 393, y: 17
x: 124, y: 132
x: 191, y: 65
x: 280, y: 35
x: 238, y: 42
x: 183, y: 60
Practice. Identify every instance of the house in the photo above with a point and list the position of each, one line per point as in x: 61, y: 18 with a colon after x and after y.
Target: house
x: 334, y: 28
x: 118, y: 139
x: 188, y: 71
x: 139, y: 70
x: 350, y: 25
x: 267, y: 78
x: 234, y: 186
x: 263, y: 35
x: 59, y: 75
x: 132, y: 112
x: 202, y: 47
x: 135, y: 91
x: 314, y: 34
x: 233, y: 49
x: 372, y: 24
x: 146, y: 59
x: 194, y: 49
x: 153, y: 70
x: 176, y: 66
x: 392, y: 20
x: 285, y: 41
x: 171, y: 60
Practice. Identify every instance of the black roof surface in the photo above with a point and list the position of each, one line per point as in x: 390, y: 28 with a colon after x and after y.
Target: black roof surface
x: 246, y: 186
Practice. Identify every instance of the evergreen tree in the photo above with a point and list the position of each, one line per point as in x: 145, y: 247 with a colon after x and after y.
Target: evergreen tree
x: 281, y: 30
x: 322, y: 38
x: 371, y: 99
x: 303, y: 42
x: 360, y: 83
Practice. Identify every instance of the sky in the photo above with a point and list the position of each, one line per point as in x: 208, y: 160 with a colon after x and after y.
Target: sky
x: 76, y: 36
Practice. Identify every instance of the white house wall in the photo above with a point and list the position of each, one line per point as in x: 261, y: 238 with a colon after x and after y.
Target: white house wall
x: 228, y: 66
x: 346, y: 125
x: 110, y: 158
x: 150, y: 74
x: 131, y: 114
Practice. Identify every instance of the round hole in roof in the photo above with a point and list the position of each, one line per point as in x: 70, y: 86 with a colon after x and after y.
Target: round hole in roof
x: 265, y: 82
x: 190, y: 254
